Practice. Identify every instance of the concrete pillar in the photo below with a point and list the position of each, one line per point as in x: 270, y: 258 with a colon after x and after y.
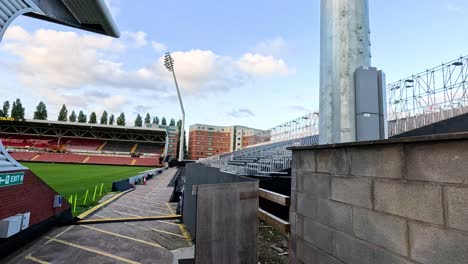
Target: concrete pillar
x: 344, y: 47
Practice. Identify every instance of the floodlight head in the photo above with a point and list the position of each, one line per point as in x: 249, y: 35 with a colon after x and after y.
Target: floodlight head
x: 169, y: 62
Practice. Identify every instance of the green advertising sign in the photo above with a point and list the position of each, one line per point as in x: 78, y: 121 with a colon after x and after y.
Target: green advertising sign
x: 10, y: 179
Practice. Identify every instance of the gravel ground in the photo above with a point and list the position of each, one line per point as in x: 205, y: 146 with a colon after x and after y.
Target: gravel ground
x: 272, y: 246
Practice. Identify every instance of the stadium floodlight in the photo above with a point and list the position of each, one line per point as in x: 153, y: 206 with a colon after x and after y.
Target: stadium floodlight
x: 169, y: 64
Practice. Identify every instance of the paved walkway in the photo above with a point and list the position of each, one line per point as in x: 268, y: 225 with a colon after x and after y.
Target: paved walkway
x: 124, y: 242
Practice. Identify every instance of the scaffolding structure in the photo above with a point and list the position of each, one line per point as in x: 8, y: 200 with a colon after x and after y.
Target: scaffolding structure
x: 301, y: 127
x: 428, y: 97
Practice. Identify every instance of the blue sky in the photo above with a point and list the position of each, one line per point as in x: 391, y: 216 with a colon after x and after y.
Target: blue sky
x: 253, y: 63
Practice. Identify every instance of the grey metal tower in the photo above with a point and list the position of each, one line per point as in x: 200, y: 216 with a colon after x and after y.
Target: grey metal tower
x: 344, y: 47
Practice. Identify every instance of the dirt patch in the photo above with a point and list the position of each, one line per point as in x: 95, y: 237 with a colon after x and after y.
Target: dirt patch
x: 272, y: 246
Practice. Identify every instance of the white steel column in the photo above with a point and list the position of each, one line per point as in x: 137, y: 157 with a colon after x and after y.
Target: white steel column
x: 344, y: 47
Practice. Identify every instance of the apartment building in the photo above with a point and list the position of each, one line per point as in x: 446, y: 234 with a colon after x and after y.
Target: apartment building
x: 209, y: 140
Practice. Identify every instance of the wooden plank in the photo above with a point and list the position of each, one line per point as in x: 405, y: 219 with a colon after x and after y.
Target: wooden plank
x: 276, y: 222
x: 227, y: 224
x: 274, y: 197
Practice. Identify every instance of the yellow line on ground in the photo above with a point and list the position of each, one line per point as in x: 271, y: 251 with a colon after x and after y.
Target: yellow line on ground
x: 126, y: 219
x: 59, y: 234
x: 170, y: 208
x: 99, y: 252
x: 119, y: 212
x: 146, y: 199
x: 83, y: 215
x: 100, y: 216
x: 169, y: 223
x: 143, y: 203
x: 186, y: 234
x: 157, y: 230
x: 29, y: 257
x: 122, y: 236
x: 136, y: 208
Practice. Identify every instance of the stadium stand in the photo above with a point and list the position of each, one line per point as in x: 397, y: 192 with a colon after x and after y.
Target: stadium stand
x: 149, y: 148
x: 112, y: 160
x: 119, y: 146
x: 83, y: 144
x: 24, y: 156
x: 61, y: 158
x: 259, y: 160
x: 65, y: 142
x: 146, y: 161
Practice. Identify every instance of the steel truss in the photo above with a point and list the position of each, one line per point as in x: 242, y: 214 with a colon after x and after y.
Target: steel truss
x: 70, y: 131
x: 300, y: 127
x: 414, y: 101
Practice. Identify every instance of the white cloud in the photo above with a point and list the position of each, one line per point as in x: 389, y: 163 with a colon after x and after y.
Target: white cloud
x: 259, y: 65
x: 241, y: 113
x: 75, y: 68
x: 158, y: 47
x: 137, y: 38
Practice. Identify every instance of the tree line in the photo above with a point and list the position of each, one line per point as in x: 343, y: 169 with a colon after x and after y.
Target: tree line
x: 17, y: 112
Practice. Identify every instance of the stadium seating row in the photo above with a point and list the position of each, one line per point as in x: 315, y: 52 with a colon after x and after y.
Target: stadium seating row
x: 77, y: 144
x: 83, y: 159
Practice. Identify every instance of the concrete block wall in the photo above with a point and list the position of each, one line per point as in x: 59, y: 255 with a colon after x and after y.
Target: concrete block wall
x: 397, y: 201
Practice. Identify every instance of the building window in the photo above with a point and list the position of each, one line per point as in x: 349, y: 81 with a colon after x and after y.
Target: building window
x: 210, y: 143
x: 209, y: 148
x: 210, y: 128
x: 210, y: 138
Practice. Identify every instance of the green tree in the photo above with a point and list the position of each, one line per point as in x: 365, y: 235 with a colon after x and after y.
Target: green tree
x: 82, y: 117
x: 72, y: 117
x: 147, y: 118
x: 93, y: 118
x: 172, y: 122
x: 179, y: 123
x: 121, y: 119
x: 163, y: 121
x: 138, y: 121
x: 104, y: 118
x: 111, y: 119
x: 6, y: 108
x: 156, y: 120
x: 41, y: 111
x: 63, y: 114
x: 17, y: 109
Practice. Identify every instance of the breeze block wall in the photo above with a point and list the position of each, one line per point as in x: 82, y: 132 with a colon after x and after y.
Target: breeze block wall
x: 396, y: 201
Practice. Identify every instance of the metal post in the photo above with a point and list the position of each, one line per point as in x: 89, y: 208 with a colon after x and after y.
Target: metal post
x: 169, y: 63
x: 344, y: 47
x: 182, y: 138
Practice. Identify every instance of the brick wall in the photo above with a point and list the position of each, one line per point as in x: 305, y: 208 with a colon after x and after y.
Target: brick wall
x: 399, y: 202
x: 33, y: 196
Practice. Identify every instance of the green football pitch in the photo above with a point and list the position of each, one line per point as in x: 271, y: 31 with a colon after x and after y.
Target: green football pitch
x: 71, y: 179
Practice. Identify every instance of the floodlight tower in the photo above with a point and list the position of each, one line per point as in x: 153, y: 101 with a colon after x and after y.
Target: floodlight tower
x: 344, y: 47
x: 169, y: 63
